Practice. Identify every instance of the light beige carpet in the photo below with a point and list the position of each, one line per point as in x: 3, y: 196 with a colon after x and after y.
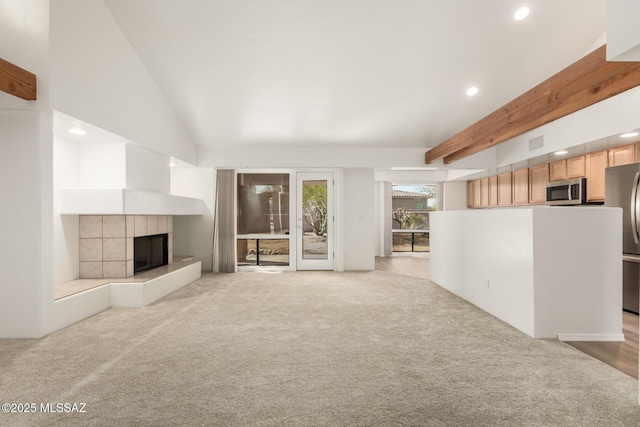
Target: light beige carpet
x: 310, y: 349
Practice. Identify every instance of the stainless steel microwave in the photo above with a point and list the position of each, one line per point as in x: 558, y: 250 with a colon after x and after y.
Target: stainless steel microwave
x: 567, y: 192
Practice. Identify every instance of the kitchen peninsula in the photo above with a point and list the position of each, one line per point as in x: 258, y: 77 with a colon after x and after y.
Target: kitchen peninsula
x: 551, y: 272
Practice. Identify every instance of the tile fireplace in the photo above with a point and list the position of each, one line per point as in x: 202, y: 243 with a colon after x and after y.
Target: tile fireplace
x: 108, y: 248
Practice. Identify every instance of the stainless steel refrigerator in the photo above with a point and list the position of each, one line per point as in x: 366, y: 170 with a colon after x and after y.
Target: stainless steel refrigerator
x: 622, y: 189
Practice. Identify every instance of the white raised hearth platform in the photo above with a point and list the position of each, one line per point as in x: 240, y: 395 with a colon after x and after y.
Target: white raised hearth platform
x: 80, y: 299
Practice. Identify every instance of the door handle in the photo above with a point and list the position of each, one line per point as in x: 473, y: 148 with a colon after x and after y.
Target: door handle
x: 634, y: 208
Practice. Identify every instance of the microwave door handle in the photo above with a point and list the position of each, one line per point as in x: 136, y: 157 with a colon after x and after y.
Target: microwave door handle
x: 635, y: 205
x: 569, y: 192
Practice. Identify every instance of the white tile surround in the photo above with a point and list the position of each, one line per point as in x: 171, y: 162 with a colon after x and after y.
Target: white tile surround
x: 106, y: 242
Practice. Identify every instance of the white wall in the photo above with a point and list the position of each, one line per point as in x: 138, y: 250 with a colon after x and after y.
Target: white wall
x: 612, y: 116
x: 66, y: 158
x: 580, y: 274
x: 496, y: 246
x: 26, y: 226
x: 112, y: 165
x: 454, y: 195
x: 548, y: 271
x: 312, y: 157
x: 97, y: 77
x: 193, y: 235
x: 357, y: 224
x: 26, y: 211
x: 147, y: 170
x: 24, y: 41
x: 623, y: 32
x: 99, y: 165
x: 411, y: 176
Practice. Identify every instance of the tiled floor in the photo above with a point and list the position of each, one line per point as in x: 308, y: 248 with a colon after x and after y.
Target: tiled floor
x: 410, y: 264
x: 66, y: 289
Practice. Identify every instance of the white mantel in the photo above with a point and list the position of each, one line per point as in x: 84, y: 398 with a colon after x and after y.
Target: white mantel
x: 77, y: 201
x: 551, y: 272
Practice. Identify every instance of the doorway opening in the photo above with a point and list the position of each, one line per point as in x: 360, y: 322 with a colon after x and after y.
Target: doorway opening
x: 410, y: 207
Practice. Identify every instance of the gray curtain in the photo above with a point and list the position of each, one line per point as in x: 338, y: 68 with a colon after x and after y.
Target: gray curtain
x: 224, y: 234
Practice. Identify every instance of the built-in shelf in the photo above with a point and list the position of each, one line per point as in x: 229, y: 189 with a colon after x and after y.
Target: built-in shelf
x: 80, y: 201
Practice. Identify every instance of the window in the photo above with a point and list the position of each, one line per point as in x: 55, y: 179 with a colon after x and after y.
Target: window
x: 411, y: 205
x: 263, y: 252
x: 263, y: 203
x: 263, y: 219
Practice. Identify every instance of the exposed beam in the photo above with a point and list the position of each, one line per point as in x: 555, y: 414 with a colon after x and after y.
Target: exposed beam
x: 16, y: 81
x: 586, y: 82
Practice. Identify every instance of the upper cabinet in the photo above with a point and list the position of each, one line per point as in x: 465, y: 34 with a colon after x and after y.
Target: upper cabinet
x: 576, y: 167
x: 504, y: 189
x: 484, y: 192
x: 596, y: 163
x: 521, y: 187
x: 529, y: 185
x: 493, y: 190
x: 558, y: 170
x: 477, y: 194
x: 622, y: 155
x: 538, y: 178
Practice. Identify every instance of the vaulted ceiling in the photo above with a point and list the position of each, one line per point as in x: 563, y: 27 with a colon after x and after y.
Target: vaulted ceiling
x: 362, y: 73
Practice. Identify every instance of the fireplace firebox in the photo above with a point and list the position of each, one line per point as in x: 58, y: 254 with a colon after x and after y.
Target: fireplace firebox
x: 150, y: 252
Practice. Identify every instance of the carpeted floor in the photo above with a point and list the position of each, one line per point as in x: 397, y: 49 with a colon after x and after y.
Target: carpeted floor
x: 310, y: 349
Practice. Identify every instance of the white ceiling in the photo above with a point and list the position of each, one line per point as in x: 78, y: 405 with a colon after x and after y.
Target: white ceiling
x: 362, y: 73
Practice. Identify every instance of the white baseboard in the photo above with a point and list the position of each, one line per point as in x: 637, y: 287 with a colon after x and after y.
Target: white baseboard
x: 591, y: 337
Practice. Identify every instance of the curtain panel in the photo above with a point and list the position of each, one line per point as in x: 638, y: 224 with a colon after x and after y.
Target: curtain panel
x: 224, y: 235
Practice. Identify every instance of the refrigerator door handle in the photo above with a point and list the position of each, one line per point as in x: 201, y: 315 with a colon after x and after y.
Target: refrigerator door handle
x: 635, y: 205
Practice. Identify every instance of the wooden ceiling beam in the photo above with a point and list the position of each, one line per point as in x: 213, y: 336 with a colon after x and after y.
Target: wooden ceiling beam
x: 586, y: 82
x: 17, y: 81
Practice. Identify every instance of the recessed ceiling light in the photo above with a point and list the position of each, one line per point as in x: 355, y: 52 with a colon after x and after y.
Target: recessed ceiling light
x: 77, y: 131
x: 561, y: 152
x: 629, y: 135
x: 472, y: 91
x: 521, y: 13
x: 172, y: 165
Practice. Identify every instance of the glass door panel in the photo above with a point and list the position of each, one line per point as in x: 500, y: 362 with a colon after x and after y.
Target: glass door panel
x: 314, y: 218
x: 315, y: 221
